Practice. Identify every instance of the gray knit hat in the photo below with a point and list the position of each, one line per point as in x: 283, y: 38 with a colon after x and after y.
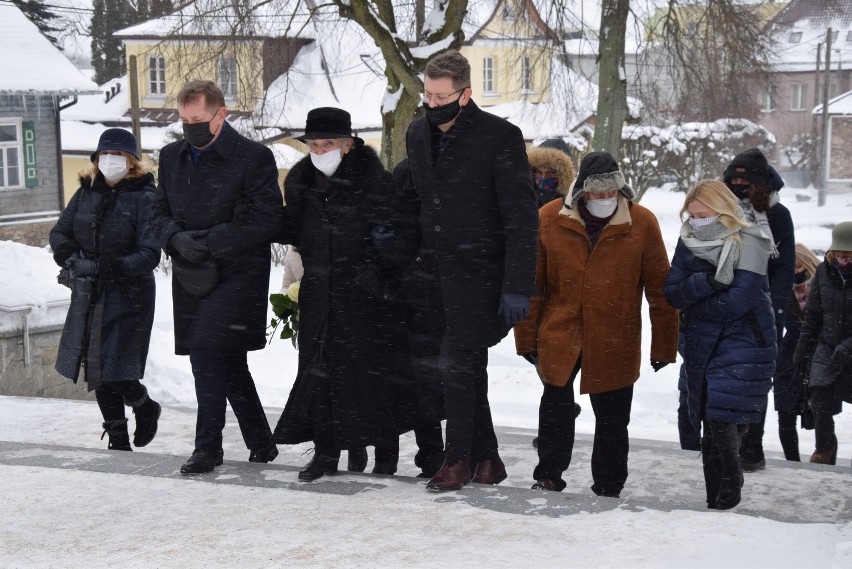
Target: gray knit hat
x: 841, y: 237
x: 599, y: 173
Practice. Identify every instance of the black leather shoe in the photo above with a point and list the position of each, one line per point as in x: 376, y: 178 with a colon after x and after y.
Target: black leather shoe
x: 386, y: 468
x: 319, y: 466
x: 147, y: 416
x: 357, y: 460
x: 264, y: 454
x: 202, y: 461
x: 549, y: 484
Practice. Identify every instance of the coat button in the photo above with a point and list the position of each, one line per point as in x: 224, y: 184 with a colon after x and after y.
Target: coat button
x: 437, y: 200
x: 437, y: 228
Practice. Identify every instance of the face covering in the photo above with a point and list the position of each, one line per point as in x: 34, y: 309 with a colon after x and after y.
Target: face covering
x: 327, y: 163
x: 198, y: 134
x: 546, y: 185
x: 602, y: 208
x: 699, y: 222
x: 443, y: 114
x: 740, y: 190
x: 801, y: 277
x: 112, y: 167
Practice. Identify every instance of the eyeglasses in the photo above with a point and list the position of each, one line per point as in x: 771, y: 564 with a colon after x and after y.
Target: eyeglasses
x: 439, y: 99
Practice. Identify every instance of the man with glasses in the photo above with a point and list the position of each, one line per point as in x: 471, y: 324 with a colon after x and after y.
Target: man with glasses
x: 474, y: 272
x: 218, y: 205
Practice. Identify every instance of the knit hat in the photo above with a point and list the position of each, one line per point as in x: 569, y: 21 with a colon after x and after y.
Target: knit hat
x: 116, y: 139
x: 841, y: 237
x: 556, y: 143
x: 599, y: 173
x: 750, y: 165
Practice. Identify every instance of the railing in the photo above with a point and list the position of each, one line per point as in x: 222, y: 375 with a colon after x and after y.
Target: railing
x: 25, y: 309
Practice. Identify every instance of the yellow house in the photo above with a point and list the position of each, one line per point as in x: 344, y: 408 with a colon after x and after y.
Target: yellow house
x: 692, y: 19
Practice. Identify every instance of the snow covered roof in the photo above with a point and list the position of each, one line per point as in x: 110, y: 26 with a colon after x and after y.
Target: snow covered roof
x: 800, y: 27
x: 95, y: 107
x: 30, y: 62
x: 218, y: 19
x: 82, y: 138
x: 840, y: 105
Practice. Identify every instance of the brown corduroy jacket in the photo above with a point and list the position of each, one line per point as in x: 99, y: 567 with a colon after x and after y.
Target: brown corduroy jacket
x: 589, y: 299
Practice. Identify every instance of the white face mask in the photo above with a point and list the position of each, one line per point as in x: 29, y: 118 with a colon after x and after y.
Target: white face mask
x: 113, y: 167
x: 699, y: 222
x: 602, y: 208
x: 327, y: 163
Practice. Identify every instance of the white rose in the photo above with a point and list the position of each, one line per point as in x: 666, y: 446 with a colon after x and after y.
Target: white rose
x: 293, y: 291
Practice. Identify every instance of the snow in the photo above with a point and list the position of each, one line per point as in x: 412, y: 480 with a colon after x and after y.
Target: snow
x: 32, y: 289
x: 95, y: 108
x: 188, y: 523
x: 78, y: 136
x: 31, y: 63
x: 840, y: 105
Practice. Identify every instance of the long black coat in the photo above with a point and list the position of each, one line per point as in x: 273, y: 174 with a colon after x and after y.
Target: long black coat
x: 233, y: 193
x: 479, y: 222
x: 353, y: 346
x: 782, y: 269
x: 826, y: 329
x: 111, y: 317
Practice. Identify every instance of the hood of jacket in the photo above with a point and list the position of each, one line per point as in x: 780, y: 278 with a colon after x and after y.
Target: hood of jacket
x: 557, y: 162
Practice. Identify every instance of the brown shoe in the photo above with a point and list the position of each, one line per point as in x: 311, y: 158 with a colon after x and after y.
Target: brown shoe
x: 490, y: 472
x: 548, y: 484
x: 450, y: 477
x: 828, y: 456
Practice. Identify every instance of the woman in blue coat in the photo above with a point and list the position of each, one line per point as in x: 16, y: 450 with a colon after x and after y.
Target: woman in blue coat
x: 718, y: 280
x: 104, y: 241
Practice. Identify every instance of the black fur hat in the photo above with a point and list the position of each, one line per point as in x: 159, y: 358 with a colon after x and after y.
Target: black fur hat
x: 599, y: 173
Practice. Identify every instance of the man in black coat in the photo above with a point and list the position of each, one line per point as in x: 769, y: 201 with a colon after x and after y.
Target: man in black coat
x: 218, y: 205
x: 476, y: 263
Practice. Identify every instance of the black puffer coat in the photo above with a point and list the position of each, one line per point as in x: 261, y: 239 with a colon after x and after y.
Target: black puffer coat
x: 826, y: 337
x: 353, y: 344
x: 233, y: 193
x: 110, y: 315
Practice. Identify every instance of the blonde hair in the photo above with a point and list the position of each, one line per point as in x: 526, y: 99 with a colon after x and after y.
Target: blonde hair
x: 136, y: 168
x: 716, y: 195
x: 807, y: 258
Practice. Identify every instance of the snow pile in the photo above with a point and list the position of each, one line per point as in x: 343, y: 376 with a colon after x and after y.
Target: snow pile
x: 30, y: 287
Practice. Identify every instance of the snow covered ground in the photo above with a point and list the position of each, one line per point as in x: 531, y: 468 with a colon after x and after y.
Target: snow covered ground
x: 73, y: 518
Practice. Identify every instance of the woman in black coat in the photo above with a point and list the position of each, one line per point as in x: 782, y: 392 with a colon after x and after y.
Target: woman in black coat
x: 756, y: 184
x: 103, y: 240
x: 354, y: 385
x: 825, y: 344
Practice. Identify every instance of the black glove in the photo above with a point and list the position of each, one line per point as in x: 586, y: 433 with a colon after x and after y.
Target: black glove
x: 65, y: 250
x: 721, y: 287
x: 532, y: 358
x: 369, y: 282
x: 78, y: 268
x: 658, y: 365
x: 380, y: 235
x: 191, y: 245
x: 111, y: 269
x: 514, y: 307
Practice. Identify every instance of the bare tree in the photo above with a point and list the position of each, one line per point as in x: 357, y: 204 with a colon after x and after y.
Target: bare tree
x: 612, y: 82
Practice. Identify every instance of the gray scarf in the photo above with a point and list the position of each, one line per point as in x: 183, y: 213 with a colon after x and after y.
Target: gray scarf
x: 759, y: 218
x: 719, y: 246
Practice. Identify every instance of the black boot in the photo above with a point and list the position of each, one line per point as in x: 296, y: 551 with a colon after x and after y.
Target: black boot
x: 726, y: 442
x: 264, y: 454
x: 118, y: 437
x: 387, y: 458
x: 147, y: 415
x: 357, y: 459
x: 712, y: 470
x: 319, y: 466
x: 789, y: 435
x: 202, y: 461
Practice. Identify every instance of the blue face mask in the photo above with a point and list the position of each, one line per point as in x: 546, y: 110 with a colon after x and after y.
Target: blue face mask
x: 546, y: 185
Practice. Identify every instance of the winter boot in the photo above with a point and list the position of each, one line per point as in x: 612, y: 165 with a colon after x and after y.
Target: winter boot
x: 726, y: 442
x: 827, y: 456
x: 357, y: 461
x: 788, y: 435
x: 147, y: 414
x: 751, y: 454
x: 712, y: 470
x: 118, y: 437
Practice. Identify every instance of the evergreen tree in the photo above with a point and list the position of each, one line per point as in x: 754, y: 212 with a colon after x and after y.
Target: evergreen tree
x: 41, y: 16
x: 109, y: 16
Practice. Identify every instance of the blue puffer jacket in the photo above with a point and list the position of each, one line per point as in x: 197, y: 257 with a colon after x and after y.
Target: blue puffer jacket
x: 729, y: 340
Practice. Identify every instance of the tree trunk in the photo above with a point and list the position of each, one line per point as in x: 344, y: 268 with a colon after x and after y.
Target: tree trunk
x: 612, y: 99
x: 395, y: 123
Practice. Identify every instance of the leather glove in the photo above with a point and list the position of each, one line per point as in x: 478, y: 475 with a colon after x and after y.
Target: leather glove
x: 190, y: 245
x: 658, y: 365
x: 514, y: 307
x: 721, y: 287
x: 532, y: 358
x: 64, y: 250
x: 381, y: 236
x: 78, y: 268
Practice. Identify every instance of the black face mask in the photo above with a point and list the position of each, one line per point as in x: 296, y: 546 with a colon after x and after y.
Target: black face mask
x: 443, y: 114
x: 740, y: 190
x: 801, y: 277
x: 198, y: 134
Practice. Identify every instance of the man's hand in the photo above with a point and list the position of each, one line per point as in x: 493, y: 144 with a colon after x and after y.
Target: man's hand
x: 190, y: 245
x: 514, y: 307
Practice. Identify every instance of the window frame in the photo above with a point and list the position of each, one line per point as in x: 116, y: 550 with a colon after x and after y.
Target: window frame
x: 526, y: 74
x: 488, y: 83
x: 795, y: 37
x: 18, y: 147
x: 233, y: 78
x: 769, y: 100
x: 157, y: 76
x: 798, y: 96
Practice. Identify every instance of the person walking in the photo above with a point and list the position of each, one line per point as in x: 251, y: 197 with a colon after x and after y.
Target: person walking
x: 218, y: 206
x: 476, y: 260
x: 104, y: 243
x: 355, y: 385
x: 757, y: 184
x: 597, y: 253
x: 825, y: 344
x: 718, y: 280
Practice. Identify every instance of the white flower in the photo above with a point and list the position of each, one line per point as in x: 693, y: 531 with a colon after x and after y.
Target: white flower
x: 293, y: 291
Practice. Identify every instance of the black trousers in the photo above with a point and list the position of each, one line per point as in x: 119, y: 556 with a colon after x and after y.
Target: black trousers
x: 556, y: 422
x: 112, y: 396
x: 823, y: 405
x: 221, y: 378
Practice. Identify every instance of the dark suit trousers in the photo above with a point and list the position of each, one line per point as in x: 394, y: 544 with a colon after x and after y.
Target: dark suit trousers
x: 220, y: 378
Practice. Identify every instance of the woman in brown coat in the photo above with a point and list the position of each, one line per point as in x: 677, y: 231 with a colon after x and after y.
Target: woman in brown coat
x: 597, y: 253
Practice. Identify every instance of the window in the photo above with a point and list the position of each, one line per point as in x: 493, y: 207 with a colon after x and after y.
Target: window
x: 834, y: 35
x: 833, y: 91
x: 767, y: 100
x: 692, y: 28
x: 526, y: 74
x: 798, y: 97
x: 848, y: 38
x: 228, y: 77
x: 157, y: 75
x: 795, y: 37
x: 10, y: 154
x: 488, y: 75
